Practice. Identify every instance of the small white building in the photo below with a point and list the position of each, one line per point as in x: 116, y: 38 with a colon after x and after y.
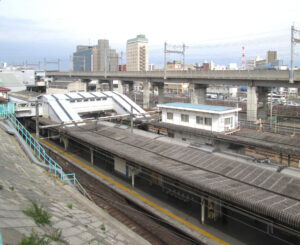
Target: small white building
x: 207, y: 117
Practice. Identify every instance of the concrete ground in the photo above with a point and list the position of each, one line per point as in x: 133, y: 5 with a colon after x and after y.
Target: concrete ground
x: 79, y: 220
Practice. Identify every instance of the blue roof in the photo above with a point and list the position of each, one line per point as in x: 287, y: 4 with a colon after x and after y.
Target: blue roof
x: 200, y: 107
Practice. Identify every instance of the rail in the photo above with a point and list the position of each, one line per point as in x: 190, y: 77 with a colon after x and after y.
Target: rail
x: 6, y: 111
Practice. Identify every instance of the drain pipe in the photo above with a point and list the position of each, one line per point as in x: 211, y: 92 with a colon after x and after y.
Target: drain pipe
x: 12, y: 131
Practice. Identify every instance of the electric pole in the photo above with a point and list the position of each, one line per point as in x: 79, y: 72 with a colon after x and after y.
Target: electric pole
x: 293, y: 43
x: 174, y: 50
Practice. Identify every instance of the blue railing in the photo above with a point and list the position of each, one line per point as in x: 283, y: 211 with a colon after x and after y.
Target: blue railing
x: 6, y: 111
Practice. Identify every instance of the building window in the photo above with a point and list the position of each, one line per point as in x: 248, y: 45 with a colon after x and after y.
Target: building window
x: 184, y: 118
x: 207, y: 121
x: 228, y: 121
x: 199, y: 120
x: 169, y: 115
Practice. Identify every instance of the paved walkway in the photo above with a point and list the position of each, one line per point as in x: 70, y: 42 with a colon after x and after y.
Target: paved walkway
x: 80, y: 221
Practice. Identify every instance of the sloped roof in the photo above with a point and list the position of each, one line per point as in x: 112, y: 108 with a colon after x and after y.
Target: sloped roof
x: 2, y: 89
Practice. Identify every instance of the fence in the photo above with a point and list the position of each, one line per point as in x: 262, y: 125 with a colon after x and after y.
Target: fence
x: 6, y: 110
x: 274, y: 127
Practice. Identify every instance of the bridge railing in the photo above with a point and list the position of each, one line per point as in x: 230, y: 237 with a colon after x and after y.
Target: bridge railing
x: 39, y: 151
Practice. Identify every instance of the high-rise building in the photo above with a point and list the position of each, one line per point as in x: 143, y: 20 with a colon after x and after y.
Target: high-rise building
x: 137, y: 54
x: 96, y: 58
x: 82, y: 58
x: 250, y: 64
x: 271, y: 56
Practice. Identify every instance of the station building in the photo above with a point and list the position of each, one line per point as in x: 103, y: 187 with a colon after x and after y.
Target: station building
x: 207, y: 117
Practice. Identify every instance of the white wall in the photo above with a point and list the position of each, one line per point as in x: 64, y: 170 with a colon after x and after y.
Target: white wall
x: 93, y: 106
x: 218, y: 120
x: 121, y: 167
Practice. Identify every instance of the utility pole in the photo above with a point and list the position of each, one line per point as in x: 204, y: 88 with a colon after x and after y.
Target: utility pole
x: 37, y: 119
x: 271, y: 108
x: 52, y: 62
x: 293, y: 43
x: 165, y: 61
x: 131, y: 119
x: 173, y: 51
x: 183, y: 55
x: 105, y: 57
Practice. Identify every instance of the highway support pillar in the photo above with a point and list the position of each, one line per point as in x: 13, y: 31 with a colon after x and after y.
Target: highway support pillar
x: 121, y: 87
x: 111, y: 85
x: 160, y: 93
x: 251, y: 104
x: 131, y: 90
x: 262, y: 98
x: 202, y: 210
x: 92, y: 156
x: 146, y: 94
x: 197, y: 93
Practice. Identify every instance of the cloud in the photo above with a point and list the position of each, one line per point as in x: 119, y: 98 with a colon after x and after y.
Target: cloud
x: 27, y: 30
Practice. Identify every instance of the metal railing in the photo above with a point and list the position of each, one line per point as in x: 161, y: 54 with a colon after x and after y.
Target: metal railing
x: 6, y: 111
x: 274, y: 128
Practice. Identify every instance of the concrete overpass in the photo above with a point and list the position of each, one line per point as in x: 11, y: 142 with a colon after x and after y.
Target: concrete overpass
x: 257, y: 82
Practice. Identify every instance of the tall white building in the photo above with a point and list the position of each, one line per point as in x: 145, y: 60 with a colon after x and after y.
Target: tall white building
x: 137, y: 54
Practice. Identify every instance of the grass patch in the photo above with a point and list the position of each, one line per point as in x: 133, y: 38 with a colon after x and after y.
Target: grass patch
x: 11, y: 188
x: 55, y: 236
x: 70, y: 206
x: 39, y: 215
x: 34, y: 239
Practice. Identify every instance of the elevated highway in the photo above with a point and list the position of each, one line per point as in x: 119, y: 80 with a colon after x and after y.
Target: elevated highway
x: 257, y: 81
x: 260, y: 78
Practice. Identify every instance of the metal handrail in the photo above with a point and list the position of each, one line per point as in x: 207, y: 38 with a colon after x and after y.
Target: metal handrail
x: 7, y: 111
x: 40, y: 152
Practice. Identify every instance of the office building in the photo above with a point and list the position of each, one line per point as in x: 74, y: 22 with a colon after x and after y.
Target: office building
x: 137, y: 54
x: 250, y: 64
x: 271, y: 56
x: 82, y: 58
x: 97, y: 58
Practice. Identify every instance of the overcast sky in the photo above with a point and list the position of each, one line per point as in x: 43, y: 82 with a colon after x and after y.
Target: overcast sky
x: 213, y: 29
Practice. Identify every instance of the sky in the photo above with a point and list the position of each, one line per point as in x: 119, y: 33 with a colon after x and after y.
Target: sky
x: 31, y: 30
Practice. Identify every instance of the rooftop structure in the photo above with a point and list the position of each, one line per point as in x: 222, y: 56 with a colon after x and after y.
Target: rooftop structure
x: 255, y: 188
x: 212, y: 118
x: 139, y: 38
x: 71, y: 107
